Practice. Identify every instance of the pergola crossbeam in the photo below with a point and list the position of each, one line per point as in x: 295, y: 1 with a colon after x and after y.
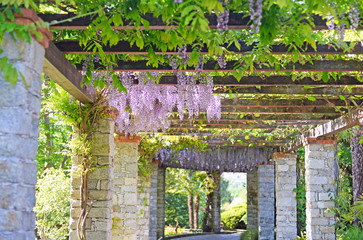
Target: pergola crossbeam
x: 61, y: 71
x: 327, y: 129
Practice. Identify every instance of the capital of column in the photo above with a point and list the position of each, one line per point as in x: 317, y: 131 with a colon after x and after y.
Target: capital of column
x: 135, y: 139
x: 324, y: 140
x: 278, y: 155
x: 29, y: 16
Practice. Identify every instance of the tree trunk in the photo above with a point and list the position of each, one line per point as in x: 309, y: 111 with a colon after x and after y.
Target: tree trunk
x: 196, y: 210
x: 190, y: 210
x: 207, y: 225
x: 357, y: 163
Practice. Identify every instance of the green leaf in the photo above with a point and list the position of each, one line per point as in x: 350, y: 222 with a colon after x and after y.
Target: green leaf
x: 325, y: 77
x: 311, y: 98
x: 342, y: 97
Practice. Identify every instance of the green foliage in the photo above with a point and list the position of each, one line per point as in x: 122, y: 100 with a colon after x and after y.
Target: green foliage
x: 352, y: 233
x: 250, y: 234
x: 180, y: 201
x: 234, y: 216
x: 226, y: 196
x: 54, y: 132
x: 301, y: 192
x: 53, y: 205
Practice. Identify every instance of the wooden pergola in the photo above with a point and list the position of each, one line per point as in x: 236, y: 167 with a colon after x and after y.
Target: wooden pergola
x: 267, y: 102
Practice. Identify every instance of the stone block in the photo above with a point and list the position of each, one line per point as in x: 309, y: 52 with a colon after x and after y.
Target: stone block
x: 10, y: 220
x: 100, y: 194
x: 100, y: 213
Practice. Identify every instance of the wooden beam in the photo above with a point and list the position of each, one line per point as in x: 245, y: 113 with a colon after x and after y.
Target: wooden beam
x: 212, y: 66
x: 327, y: 129
x: 124, y: 47
x: 273, y: 81
x: 292, y: 90
x: 61, y: 71
x: 237, y: 118
x: 235, y: 126
x: 289, y: 110
x: 236, y: 21
x: 235, y: 102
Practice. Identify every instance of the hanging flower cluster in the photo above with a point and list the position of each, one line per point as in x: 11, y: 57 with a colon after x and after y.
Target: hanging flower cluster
x: 255, y: 8
x: 146, y: 106
x: 216, y: 159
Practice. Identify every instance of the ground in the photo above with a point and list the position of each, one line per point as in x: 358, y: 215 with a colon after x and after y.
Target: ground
x: 234, y: 236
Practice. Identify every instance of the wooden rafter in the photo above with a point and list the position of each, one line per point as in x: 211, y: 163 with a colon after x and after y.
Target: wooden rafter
x: 212, y: 66
x: 124, y: 47
x: 236, y: 21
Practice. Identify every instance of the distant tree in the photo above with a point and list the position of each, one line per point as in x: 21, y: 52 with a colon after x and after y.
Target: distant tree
x: 226, y: 196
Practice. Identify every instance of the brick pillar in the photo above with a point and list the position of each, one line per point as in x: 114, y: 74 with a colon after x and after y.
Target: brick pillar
x: 160, y: 218
x: 19, y: 131
x: 153, y: 201
x: 320, y: 178
x: 266, y: 201
x: 216, y: 206
x: 285, y: 176
x: 252, y: 200
x: 100, y: 185
x: 125, y: 188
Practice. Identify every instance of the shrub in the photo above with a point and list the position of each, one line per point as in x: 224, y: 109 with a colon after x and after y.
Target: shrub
x: 235, y: 216
x: 251, y: 234
x: 53, y: 205
x: 352, y: 233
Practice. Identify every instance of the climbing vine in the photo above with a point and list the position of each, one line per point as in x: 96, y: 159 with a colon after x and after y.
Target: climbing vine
x: 83, y: 118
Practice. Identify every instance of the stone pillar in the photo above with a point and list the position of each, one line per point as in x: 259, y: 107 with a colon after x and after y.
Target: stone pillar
x: 160, y: 219
x: 266, y: 201
x: 19, y: 131
x: 252, y: 200
x: 320, y: 178
x: 285, y: 176
x: 216, y: 206
x: 153, y: 200
x: 125, y: 188
x: 147, y: 205
x: 100, y: 186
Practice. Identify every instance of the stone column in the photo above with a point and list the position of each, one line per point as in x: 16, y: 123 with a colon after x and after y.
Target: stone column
x: 160, y: 203
x: 266, y: 201
x: 216, y: 206
x: 125, y: 188
x: 144, y: 205
x: 100, y: 186
x: 320, y: 178
x: 153, y: 200
x: 252, y: 200
x: 19, y: 131
x: 285, y: 173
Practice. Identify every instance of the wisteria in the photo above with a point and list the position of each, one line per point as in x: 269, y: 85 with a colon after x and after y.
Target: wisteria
x: 222, y: 61
x: 222, y: 21
x: 354, y: 16
x: 146, y: 106
x: 216, y: 159
x: 256, y: 14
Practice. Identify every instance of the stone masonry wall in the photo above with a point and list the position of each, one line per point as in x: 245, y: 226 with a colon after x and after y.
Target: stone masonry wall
x: 285, y: 174
x: 125, y: 191
x: 319, y: 176
x: 266, y: 202
x: 252, y: 200
x: 19, y: 130
x: 99, y: 219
